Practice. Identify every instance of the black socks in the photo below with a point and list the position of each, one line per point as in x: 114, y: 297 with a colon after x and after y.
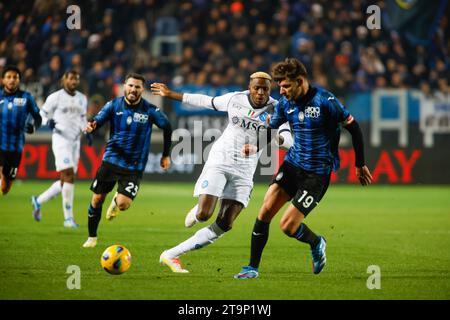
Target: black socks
x: 304, y: 234
x: 260, y: 235
x: 94, y: 216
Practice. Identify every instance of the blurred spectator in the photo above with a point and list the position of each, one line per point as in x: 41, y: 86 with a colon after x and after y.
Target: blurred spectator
x: 222, y: 42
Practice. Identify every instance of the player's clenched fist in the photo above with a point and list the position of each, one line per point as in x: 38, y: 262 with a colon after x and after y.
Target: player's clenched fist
x: 91, y: 125
x: 248, y: 150
x: 165, y: 163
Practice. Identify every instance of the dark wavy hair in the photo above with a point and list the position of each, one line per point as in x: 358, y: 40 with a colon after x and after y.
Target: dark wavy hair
x: 290, y: 68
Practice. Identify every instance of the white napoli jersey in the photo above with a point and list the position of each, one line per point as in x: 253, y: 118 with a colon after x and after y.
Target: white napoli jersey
x: 68, y: 112
x: 244, y: 126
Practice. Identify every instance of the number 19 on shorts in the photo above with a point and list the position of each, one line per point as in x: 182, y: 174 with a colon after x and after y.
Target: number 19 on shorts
x: 307, y: 199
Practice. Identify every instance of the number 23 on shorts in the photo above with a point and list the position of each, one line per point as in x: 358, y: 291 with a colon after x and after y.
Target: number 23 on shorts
x: 132, y: 188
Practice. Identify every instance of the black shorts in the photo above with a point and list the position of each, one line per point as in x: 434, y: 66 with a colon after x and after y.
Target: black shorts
x: 306, y: 188
x: 10, y: 161
x: 107, y: 176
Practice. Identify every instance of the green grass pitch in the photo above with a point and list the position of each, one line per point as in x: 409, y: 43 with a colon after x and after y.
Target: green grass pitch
x: 405, y: 230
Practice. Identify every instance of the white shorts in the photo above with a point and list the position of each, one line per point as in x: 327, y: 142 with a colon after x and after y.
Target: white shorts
x: 67, y: 152
x: 224, y: 184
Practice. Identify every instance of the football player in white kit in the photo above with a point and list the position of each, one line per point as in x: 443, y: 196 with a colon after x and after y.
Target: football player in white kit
x: 65, y: 113
x: 227, y: 174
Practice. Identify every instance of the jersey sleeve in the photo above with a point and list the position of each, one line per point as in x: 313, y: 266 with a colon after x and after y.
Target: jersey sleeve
x: 337, y: 110
x: 162, y: 122
x: 278, y: 116
x: 84, y: 115
x: 285, y: 131
x: 160, y: 119
x: 48, y: 108
x: 219, y: 103
x: 33, y: 109
x: 104, y: 114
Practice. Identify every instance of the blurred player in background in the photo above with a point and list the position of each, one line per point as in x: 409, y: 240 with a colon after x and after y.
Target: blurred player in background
x: 227, y: 175
x: 64, y: 111
x: 316, y: 117
x: 131, y: 119
x: 19, y: 113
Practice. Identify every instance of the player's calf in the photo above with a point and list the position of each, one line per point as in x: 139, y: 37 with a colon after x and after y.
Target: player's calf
x: 6, y: 185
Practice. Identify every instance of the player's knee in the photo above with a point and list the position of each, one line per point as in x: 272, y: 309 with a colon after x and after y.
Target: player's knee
x: 204, y: 214
x: 97, y: 201
x: 123, y: 204
x: 288, y: 227
x: 265, y: 213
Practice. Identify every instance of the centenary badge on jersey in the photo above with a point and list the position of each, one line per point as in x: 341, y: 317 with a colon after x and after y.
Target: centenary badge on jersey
x: 129, y: 120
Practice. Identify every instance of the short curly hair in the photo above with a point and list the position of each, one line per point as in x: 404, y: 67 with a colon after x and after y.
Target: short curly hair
x: 11, y: 68
x: 290, y: 68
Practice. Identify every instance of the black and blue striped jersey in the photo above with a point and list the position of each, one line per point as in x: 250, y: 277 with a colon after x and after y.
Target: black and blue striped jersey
x: 316, y: 121
x: 130, y: 132
x: 14, y: 110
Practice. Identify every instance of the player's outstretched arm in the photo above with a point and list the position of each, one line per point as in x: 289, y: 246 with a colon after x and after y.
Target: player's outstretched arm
x: 362, y: 172
x: 160, y: 89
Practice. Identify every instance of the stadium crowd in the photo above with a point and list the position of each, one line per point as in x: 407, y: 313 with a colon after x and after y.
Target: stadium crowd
x: 221, y: 42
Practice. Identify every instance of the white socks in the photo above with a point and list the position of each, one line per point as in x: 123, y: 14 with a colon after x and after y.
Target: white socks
x: 67, y: 199
x: 50, y: 193
x: 200, y: 239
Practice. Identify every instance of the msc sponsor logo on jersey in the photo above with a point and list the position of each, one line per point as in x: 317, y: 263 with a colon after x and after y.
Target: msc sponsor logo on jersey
x: 141, y: 118
x: 20, y: 102
x: 312, y: 112
x: 247, y: 124
x: 71, y: 109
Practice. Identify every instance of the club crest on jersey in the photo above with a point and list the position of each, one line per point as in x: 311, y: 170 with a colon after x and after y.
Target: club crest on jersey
x: 20, y: 102
x: 204, y: 184
x: 301, y: 116
x: 263, y: 116
x: 235, y: 120
x: 139, y: 117
x: 129, y: 120
x: 312, y: 112
x: 279, y: 176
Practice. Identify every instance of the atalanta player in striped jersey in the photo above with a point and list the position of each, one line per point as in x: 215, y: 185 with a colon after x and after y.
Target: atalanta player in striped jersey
x: 131, y: 119
x: 19, y: 113
x: 316, y: 117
